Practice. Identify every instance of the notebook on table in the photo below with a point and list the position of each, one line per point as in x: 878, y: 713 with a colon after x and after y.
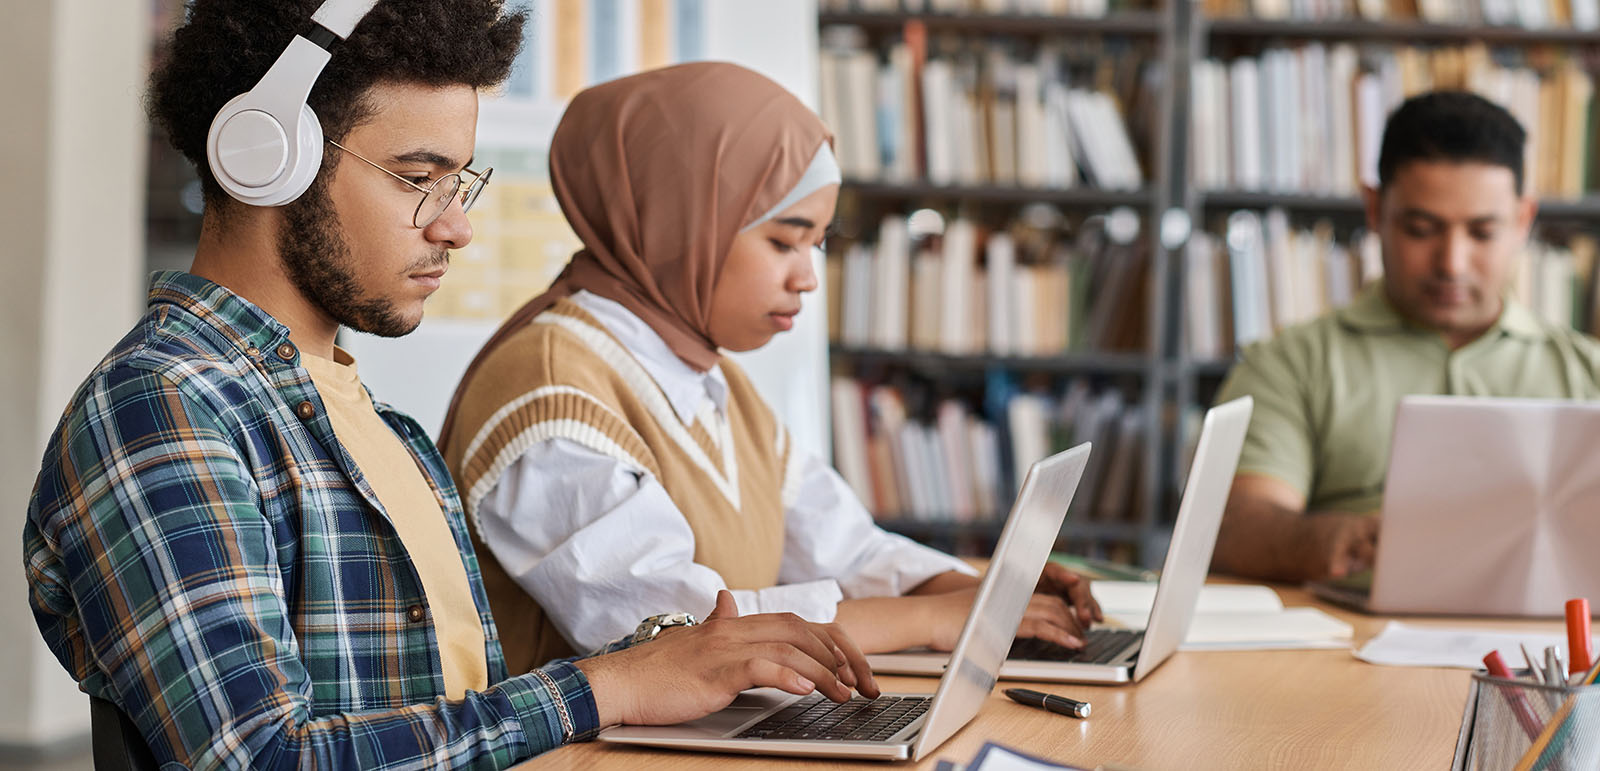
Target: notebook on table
x: 901, y: 726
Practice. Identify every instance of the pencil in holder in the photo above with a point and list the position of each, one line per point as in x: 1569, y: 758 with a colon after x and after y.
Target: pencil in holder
x: 1525, y: 726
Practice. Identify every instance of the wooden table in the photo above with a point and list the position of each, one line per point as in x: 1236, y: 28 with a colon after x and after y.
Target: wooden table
x: 1308, y: 709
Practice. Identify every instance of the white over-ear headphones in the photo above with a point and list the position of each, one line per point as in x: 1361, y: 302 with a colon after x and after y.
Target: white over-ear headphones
x: 265, y: 145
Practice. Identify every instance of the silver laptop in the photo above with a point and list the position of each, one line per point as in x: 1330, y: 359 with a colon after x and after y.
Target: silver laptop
x: 767, y: 721
x: 1488, y: 509
x: 1127, y: 655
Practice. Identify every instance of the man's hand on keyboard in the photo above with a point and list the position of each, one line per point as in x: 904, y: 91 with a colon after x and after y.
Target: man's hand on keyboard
x: 694, y: 671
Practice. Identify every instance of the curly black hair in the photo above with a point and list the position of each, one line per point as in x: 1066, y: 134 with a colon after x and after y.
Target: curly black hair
x: 227, y: 45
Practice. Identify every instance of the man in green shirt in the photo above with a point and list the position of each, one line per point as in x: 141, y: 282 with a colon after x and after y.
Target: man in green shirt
x: 1452, y: 218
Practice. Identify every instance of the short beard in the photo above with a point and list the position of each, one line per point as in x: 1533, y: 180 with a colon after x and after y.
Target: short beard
x: 317, y: 258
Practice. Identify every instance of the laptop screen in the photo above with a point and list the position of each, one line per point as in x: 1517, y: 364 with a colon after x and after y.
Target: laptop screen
x: 1194, y: 533
x: 1003, y: 596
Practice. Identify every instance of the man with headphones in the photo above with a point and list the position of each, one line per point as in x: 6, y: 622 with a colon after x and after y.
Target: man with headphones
x: 229, y: 540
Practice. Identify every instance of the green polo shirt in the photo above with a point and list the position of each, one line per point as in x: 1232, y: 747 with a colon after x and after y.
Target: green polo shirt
x: 1326, y: 390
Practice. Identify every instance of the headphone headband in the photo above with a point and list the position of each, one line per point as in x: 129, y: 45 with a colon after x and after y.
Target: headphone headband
x: 265, y: 145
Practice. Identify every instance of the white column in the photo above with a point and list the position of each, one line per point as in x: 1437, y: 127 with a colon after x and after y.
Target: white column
x: 73, y: 202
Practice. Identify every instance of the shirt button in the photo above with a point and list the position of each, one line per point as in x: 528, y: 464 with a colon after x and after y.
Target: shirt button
x: 252, y: 352
x: 306, y: 410
x: 286, y: 352
x: 415, y: 614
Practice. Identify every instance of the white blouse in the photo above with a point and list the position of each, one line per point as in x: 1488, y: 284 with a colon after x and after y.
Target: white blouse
x: 600, y: 545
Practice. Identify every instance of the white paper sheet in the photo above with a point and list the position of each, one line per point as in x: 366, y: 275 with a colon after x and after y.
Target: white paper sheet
x: 1136, y: 597
x: 1403, y: 645
x: 1228, y: 617
x: 1288, y: 628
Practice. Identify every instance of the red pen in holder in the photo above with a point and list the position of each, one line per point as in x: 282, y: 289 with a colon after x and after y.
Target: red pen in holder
x: 1519, y: 703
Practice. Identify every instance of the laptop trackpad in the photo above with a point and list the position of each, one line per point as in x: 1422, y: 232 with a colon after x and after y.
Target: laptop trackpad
x: 746, y: 706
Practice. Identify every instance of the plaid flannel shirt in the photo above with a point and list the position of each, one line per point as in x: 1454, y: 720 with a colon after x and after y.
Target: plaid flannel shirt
x: 202, y: 552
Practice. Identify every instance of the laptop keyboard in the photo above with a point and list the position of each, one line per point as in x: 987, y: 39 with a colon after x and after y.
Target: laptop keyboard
x: 1102, y: 647
x: 815, y: 717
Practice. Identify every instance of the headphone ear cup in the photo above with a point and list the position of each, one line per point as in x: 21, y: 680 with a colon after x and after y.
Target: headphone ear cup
x: 250, y: 155
x: 309, y: 159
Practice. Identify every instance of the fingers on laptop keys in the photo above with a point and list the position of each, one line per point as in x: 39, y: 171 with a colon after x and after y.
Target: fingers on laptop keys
x: 1364, y: 550
x: 1057, y: 579
x: 816, y: 655
x: 792, y: 643
x: 1050, y: 618
x: 849, y: 664
x: 854, y: 663
x: 793, y: 654
x: 1343, y: 543
x: 841, y: 664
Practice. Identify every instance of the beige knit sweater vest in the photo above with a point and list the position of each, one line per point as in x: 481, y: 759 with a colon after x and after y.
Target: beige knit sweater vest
x: 564, y: 376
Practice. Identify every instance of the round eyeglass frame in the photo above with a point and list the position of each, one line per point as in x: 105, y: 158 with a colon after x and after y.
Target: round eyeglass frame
x: 439, y: 193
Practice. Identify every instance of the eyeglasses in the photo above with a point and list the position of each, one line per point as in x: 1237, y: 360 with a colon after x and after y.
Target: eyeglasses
x: 436, y: 197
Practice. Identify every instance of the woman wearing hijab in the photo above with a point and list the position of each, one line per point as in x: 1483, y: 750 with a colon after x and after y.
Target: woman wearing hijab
x: 614, y: 463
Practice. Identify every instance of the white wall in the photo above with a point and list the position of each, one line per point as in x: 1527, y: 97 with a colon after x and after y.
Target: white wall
x: 73, y: 207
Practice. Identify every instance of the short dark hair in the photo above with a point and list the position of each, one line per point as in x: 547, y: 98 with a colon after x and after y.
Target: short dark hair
x: 1452, y: 126
x: 227, y: 45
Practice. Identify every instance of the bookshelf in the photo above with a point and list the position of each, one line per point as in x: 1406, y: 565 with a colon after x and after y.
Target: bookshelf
x: 1010, y: 195
x: 1177, y: 204
x: 1138, y: 372
x: 1131, y: 23
x: 1537, y: 49
x: 952, y: 365
x: 1406, y: 31
x: 1586, y: 208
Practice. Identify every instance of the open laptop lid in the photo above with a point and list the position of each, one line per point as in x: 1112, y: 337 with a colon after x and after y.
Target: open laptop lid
x: 1025, y: 543
x: 1194, y: 534
x: 1488, y: 507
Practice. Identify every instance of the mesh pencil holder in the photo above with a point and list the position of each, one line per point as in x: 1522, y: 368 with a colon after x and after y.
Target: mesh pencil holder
x: 1521, y: 725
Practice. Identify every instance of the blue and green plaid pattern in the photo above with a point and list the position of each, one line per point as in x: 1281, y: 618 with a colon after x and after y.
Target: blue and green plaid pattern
x: 213, y: 563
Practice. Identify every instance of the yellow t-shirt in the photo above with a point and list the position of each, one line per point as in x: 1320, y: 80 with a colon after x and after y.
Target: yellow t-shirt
x: 408, y: 500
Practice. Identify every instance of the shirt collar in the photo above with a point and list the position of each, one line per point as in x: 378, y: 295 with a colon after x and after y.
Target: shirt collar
x: 1370, y: 311
x: 236, y: 319
x: 685, y: 388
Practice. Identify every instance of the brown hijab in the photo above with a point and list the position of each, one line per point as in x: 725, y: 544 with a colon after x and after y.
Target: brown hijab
x: 656, y: 173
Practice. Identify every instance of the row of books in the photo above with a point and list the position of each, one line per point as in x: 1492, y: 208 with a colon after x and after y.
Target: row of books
x: 979, y: 114
x: 569, y: 44
x: 1533, y: 14
x: 1558, y: 283
x: 1078, y: 8
x: 910, y: 456
x: 1262, y: 275
x: 1015, y: 291
x: 1310, y: 119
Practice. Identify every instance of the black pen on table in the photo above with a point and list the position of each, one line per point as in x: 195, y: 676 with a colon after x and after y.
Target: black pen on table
x: 1060, y: 705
